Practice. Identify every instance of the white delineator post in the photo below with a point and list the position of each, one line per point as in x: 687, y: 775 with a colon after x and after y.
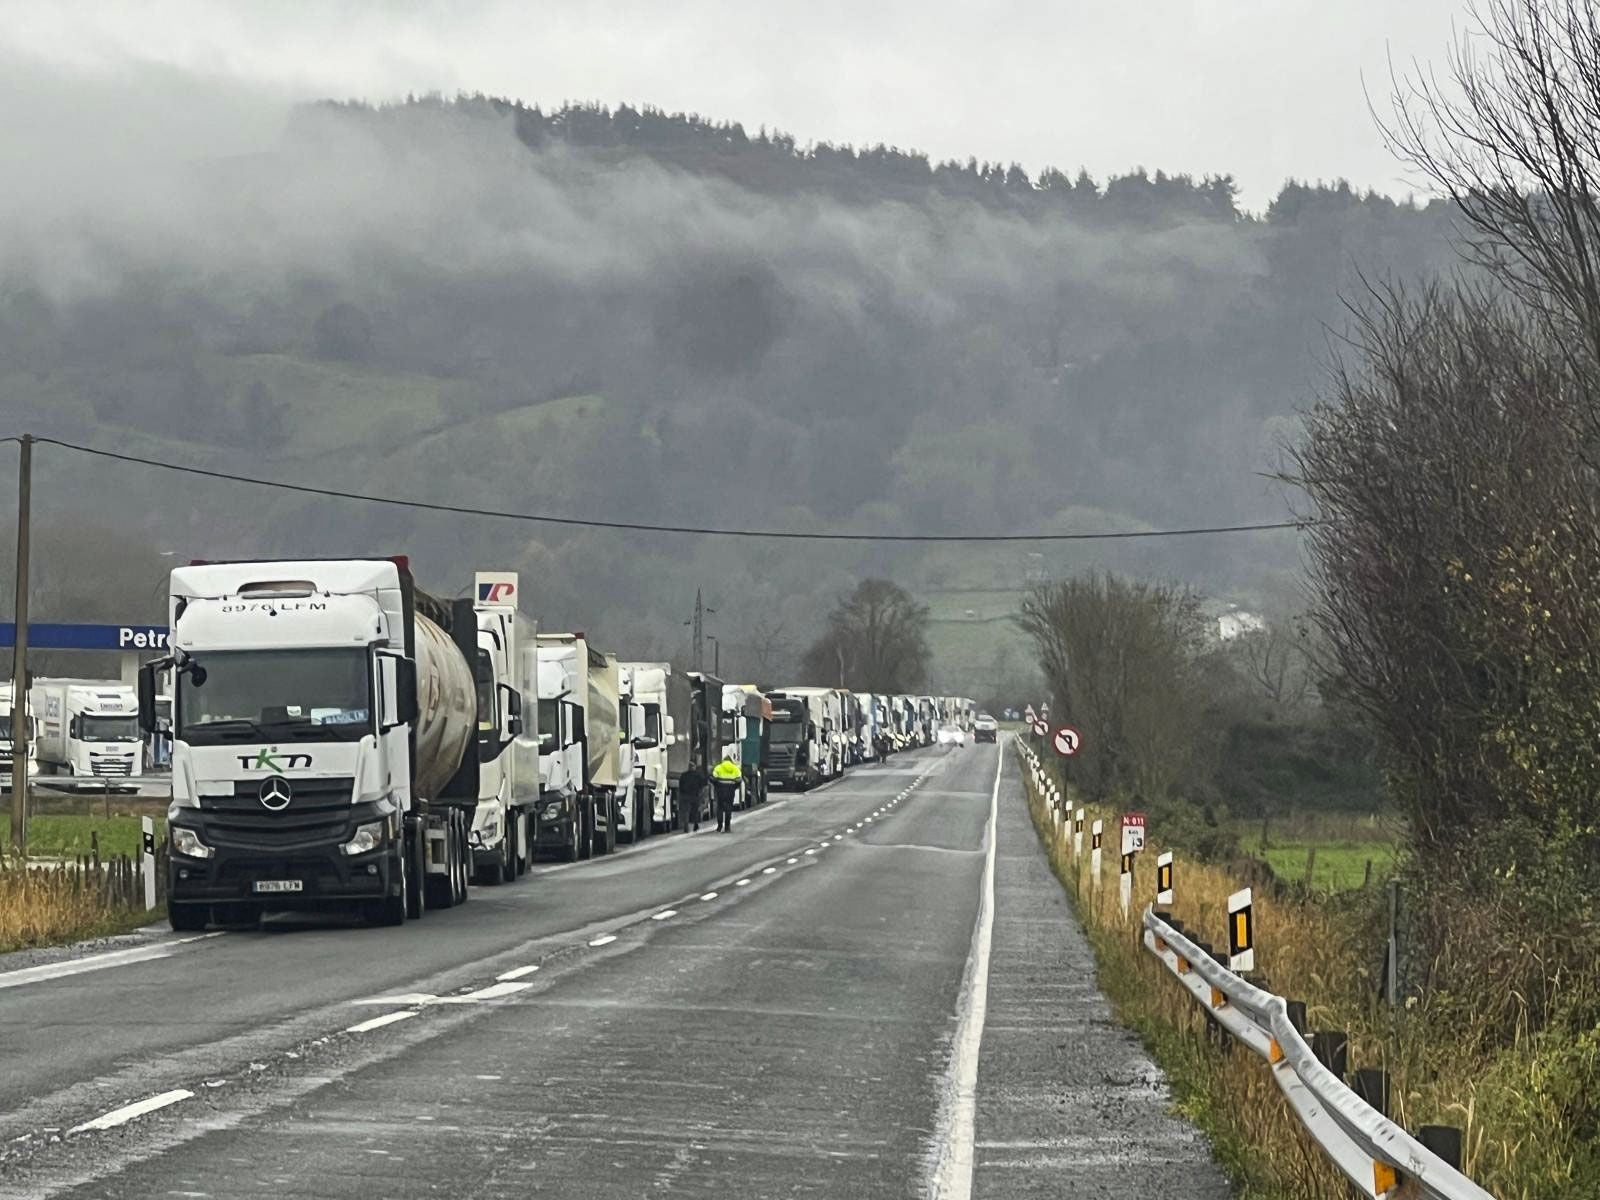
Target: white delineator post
x: 1164, y: 879
x: 1077, y: 835
x: 148, y: 828
x: 1125, y: 884
x: 1094, y: 851
x: 1241, y: 933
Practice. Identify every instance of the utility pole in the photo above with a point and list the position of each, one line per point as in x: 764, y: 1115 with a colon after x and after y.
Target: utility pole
x: 699, y: 632
x: 19, y: 656
x: 699, y: 623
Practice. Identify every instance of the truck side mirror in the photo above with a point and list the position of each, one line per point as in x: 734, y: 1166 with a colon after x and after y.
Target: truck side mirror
x: 645, y: 742
x: 147, y: 694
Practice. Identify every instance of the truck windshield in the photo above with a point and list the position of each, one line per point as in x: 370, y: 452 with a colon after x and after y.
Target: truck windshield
x: 108, y: 727
x: 787, y: 729
x: 286, y: 695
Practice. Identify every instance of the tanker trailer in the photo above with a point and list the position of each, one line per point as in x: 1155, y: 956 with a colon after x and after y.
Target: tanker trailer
x: 324, y: 740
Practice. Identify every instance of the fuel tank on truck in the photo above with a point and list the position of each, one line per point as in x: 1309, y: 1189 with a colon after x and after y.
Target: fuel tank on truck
x: 447, y: 708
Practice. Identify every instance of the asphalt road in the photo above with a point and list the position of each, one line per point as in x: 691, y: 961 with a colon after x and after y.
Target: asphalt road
x: 871, y: 990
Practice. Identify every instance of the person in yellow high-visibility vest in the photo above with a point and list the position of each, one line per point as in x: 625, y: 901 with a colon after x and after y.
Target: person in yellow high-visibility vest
x: 725, y: 778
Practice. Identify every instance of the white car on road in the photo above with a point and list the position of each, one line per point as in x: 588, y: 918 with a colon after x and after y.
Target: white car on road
x: 951, y: 734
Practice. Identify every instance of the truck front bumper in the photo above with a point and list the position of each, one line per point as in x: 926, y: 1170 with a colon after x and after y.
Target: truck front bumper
x: 299, y: 875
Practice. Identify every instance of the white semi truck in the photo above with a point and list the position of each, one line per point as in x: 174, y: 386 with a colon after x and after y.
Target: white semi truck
x: 579, y: 752
x: 6, y: 745
x: 638, y: 741
x: 666, y: 700
x: 325, y: 746
x: 501, y: 838
x: 88, y: 728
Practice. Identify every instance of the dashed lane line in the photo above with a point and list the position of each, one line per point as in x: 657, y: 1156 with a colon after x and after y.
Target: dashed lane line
x: 665, y: 914
x: 379, y: 1022
x: 605, y: 939
x: 121, y: 1116
x: 517, y: 973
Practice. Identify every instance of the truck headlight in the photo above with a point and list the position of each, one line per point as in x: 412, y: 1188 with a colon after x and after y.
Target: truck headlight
x: 187, y: 843
x: 367, y: 838
x: 552, y: 810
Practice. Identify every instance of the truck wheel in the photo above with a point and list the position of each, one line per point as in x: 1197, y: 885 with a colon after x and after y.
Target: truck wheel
x: 188, y: 918
x: 392, y: 909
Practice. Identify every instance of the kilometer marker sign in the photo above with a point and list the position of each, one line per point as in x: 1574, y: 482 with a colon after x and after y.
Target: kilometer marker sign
x: 1066, y: 741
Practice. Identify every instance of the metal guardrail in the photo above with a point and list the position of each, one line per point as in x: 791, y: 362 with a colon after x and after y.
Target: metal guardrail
x: 1376, y: 1155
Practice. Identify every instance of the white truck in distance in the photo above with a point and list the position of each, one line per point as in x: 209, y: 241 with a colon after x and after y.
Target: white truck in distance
x: 508, y: 748
x: 325, y: 741
x: 88, y: 728
x: 579, y: 756
x: 6, y: 744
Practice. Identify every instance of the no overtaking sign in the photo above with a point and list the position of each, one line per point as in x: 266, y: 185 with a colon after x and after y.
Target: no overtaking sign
x: 1066, y: 741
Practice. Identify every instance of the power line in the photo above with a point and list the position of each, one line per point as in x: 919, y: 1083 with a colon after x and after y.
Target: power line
x: 640, y: 527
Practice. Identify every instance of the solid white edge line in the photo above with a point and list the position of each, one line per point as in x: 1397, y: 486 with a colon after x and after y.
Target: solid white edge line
x: 121, y: 1116
x: 517, y: 973
x: 951, y: 1169
x: 380, y: 1022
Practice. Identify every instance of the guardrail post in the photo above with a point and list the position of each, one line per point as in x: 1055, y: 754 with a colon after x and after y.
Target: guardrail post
x: 1297, y: 1015
x: 1372, y: 1085
x: 1442, y: 1141
x: 1332, y: 1050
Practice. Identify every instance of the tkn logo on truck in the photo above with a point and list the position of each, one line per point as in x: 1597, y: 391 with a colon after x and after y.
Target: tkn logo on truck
x: 268, y: 759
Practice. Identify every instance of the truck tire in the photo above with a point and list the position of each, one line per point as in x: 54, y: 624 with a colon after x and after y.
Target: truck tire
x: 392, y: 909
x: 585, y: 825
x: 416, y: 889
x: 188, y: 918
x: 463, y: 860
x: 569, y: 851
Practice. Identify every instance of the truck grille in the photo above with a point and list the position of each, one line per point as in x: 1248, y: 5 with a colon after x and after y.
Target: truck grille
x: 780, y: 758
x: 319, y: 811
x: 111, y: 767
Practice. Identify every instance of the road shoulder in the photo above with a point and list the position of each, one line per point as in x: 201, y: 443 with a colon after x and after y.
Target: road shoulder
x: 1068, y: 1103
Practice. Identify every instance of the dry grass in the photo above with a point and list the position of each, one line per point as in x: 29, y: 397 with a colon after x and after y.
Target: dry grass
x: 1326, y: 952
x: 48, y: 907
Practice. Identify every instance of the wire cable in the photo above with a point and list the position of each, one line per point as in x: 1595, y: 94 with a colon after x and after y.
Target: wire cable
x: 640, y: 527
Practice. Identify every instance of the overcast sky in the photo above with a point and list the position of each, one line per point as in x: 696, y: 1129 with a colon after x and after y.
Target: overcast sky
x: 1264, y: 89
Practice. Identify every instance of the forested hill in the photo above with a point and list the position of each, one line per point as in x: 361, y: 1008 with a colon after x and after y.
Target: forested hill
x: 630, y: 315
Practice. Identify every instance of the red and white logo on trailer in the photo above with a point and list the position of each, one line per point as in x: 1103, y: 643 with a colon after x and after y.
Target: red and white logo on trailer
x: 1066, y: 741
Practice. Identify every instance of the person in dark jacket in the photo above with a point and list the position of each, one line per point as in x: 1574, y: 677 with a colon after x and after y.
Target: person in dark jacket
x: 691, y: 786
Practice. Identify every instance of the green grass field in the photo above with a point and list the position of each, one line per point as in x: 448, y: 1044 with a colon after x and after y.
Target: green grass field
x: 67, y: 836
x: 1338, y: 868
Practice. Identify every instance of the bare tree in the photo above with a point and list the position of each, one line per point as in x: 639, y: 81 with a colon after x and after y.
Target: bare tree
x: 876, y: 641
x: 1510, y: 136
x: 1119, y: 656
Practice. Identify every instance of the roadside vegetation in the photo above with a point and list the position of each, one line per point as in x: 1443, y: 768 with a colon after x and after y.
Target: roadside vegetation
x: 80, y: 879
x: 1451, y: 482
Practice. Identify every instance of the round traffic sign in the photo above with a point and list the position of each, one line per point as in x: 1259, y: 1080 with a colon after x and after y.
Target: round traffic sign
x: 1041, y: 728
x: 1066, y: 741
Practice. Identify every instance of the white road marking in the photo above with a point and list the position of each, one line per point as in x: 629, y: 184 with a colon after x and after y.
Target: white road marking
x: 771, y: 870
x: 401, y: 998
x: 664, y: 914
x: 605, y: 939
x: 952, y: 1159
x: 96, y: 962
x: 791, y: 862
x: 380, y: 1022
x: 813, y: 850
x: 838, y: 837
x: 121, y: 1116
x: 518, y: 972
x: 493, y: 992
x: 709, y: 896
x: 740, y: 882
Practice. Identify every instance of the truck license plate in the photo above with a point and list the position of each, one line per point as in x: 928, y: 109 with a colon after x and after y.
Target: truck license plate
x: 278, y: 885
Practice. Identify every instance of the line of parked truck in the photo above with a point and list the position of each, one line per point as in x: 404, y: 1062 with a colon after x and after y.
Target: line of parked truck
x: 338, y: 737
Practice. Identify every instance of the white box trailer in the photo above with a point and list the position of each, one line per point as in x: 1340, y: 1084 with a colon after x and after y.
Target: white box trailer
x: 508, y: 731
x: 580, y: 756
x: 88, y: 728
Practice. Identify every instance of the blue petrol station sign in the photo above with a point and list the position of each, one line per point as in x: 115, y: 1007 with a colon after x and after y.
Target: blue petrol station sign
x: 45, y: 636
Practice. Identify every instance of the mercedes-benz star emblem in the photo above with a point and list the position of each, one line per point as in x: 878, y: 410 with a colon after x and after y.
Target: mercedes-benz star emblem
x: 275, y: 793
